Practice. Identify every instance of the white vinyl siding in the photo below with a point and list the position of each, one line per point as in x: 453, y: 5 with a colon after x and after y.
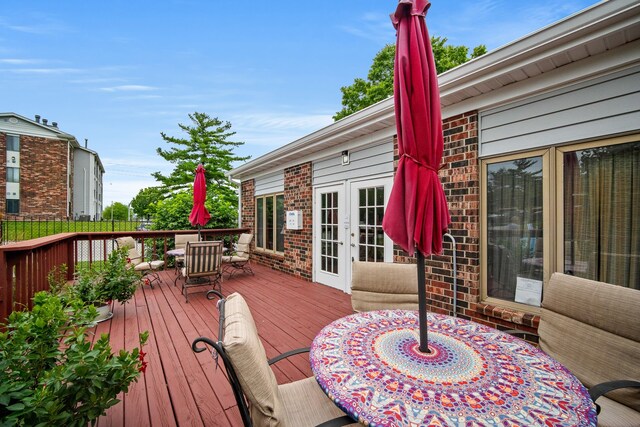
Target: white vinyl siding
x: 373, y: 160
x: 269, y: 184
x: 593, y: 109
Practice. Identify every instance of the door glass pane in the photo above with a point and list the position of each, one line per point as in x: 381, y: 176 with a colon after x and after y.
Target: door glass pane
x: 329, y: 236
x: 514, y: 228
x: 371, y: 211
x: 260, y: 223
x: 601, y: 220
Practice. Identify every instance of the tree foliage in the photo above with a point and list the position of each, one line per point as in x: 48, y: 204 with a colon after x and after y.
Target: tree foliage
x: 379, y: 82
x: 144, y: 204
x: 120, y: 212
x: 173, y: 213
x: 207, y: 143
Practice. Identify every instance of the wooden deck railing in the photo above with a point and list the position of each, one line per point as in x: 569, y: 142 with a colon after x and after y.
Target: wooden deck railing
x: 24, y: 266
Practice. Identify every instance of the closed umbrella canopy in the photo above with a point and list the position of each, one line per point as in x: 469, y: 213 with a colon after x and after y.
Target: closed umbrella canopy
x: 417, y: 216
x: 199, y: 215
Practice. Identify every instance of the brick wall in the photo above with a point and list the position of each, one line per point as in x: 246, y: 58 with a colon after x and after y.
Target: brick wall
x: 461, y: 182
x: 43, y: 176
x: 298, y: 244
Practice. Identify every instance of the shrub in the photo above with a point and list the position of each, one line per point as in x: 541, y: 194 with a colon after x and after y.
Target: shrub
x: 50, y: 374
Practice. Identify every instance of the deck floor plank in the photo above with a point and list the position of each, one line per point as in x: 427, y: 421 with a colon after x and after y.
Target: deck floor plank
x: 182, y: 388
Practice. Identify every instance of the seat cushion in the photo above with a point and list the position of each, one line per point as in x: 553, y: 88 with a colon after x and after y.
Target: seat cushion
x: 153, y: 265
x: 368, y: 301
x: 234, y: 258
x: 379, y: 285
x: 305, y: 404
x: 126, y: 242
x: 593, y: 329
x: 614, y: 414
x: 249, y: 359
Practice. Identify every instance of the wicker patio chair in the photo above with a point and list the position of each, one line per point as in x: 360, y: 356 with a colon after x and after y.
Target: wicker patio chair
x: 261, y: 400
x: 202, y: 265
x: 148, y: 269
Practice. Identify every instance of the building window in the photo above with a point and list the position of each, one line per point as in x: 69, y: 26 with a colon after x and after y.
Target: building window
x: 591, y: 233
x: 514, y: 231
x: 13, y: 206
x: 13, y: 143
x: 270, y: 223
x: 13, y: 174
x: 601, y: 195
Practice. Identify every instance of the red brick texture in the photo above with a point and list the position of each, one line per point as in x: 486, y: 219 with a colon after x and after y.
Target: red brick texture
x: 44, y: 176
x: 298, y: 244
x: 460, y: 176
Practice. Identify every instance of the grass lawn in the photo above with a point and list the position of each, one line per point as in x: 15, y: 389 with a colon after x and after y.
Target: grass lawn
x: 13, y: 231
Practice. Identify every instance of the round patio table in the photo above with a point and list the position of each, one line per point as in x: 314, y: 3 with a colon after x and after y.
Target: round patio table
x: 369, y: 364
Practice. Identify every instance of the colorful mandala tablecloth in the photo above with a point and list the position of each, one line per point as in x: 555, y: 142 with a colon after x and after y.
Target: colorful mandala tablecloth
x: 370, y: 366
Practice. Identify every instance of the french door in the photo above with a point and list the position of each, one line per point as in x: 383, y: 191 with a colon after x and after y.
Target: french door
x: 329, y: 249
x: 348, y: 227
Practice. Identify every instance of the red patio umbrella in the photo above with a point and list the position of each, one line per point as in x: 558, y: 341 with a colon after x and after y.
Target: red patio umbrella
x: 417, y: 216
x: 199, y: 215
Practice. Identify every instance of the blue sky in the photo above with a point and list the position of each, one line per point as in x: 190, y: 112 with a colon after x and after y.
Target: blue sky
x: 119, y: 73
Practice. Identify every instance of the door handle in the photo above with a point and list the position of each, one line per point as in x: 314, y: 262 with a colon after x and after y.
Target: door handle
x: 353, y: 245
x: 341, y: 243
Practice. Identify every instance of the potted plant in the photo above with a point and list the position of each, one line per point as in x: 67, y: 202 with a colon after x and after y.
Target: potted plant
x: 51, y: 374
x: 115, y: 280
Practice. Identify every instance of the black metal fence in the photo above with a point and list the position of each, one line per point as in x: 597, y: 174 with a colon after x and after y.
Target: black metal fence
x: 26, y: 228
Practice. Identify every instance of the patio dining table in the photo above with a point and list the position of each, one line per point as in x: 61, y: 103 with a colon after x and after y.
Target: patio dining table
x: 369, y: 364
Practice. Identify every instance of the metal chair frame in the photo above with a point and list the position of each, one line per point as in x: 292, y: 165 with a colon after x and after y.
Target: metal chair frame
x: 232, y: 377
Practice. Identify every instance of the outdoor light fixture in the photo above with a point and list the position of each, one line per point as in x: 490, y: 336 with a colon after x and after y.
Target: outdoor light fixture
x: 345, y: 157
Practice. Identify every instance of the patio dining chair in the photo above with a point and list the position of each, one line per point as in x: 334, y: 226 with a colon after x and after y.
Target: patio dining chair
x: 202, y: 265
x: 181, y: 243
x: 240, y: 259
x: 382, y: 285
x: 261, y: 400
x: 148, y: 269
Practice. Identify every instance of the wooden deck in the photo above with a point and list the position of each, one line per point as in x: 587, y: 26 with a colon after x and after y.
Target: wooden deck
x: 183, y: 388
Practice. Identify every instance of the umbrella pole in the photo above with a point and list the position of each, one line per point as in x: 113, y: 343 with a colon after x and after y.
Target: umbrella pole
x: 422, y: 304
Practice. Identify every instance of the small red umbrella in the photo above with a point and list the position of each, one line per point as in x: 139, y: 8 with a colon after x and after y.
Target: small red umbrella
x: 417, y: 216
x: 199, y: 215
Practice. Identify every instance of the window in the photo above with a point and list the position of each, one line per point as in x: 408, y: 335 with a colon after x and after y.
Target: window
x: 13, y: 143
x: 13, y: 174
x: 270, y: 223
x: 593, y: 232
x: 514, y: 228
x: 13, y: 206
x: 600, y: 210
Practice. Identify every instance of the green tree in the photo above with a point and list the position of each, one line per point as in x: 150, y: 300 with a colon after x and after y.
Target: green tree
x: 173, y: 213
x: 208, y: 143
x: 379, y: 82
x: 120, y: 212
x: 144, y: 204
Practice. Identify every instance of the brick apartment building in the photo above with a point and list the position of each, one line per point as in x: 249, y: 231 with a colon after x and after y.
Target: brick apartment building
x: 37, y: 168
x: 542, y: 141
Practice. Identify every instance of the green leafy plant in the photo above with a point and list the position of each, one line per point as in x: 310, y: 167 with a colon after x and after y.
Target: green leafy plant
x: 115, y: 280
x: 51, y: 374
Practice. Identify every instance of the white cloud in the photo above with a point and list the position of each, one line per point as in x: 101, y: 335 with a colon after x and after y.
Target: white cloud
x: 17, y: 61
x: 128, y: 88
x: 44, y: 70
x: 372, y: 26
